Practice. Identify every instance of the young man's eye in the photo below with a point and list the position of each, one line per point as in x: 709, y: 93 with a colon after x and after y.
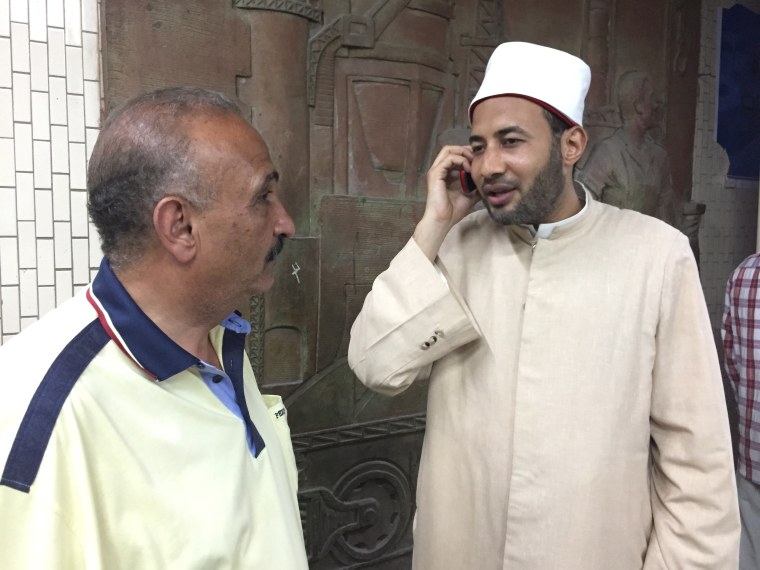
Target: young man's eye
x: 476, y: 148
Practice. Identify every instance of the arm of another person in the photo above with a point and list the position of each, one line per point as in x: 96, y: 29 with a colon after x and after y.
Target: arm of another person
x: 693, y: 488
x: 412, y: 317
x: 729, y: 340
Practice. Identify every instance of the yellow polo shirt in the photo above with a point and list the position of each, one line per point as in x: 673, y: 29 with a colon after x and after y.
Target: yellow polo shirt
x: 117, y: 450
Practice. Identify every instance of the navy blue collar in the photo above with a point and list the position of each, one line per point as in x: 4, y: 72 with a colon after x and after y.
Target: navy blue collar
x: 137, y: 335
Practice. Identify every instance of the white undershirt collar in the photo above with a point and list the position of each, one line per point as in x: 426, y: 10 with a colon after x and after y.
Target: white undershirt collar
x: 545, y: 230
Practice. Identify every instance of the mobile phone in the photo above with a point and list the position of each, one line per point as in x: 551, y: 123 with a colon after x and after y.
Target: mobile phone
x: 468, y: 184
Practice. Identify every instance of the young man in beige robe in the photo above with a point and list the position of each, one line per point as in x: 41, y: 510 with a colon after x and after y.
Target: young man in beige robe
x: 576, y: 417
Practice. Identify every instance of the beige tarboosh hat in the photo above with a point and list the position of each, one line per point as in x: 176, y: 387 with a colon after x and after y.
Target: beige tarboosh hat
x: 549, y: 77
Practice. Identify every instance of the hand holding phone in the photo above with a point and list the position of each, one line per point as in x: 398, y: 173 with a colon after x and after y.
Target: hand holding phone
x: 468, y: 184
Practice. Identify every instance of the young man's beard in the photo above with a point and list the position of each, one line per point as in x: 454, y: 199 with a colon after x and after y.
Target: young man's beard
x: 540, y: 200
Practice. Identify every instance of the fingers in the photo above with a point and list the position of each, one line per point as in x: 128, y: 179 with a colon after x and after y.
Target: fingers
x: 451, y: 158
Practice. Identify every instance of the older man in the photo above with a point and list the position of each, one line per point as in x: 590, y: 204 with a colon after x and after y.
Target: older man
x: 576, y: 417
x: 132, y: 432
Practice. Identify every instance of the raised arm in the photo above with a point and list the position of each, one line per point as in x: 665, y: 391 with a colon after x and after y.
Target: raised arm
x: 412, y: 317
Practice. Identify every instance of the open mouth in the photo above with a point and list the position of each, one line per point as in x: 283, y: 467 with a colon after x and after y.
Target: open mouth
x: 499, y: 195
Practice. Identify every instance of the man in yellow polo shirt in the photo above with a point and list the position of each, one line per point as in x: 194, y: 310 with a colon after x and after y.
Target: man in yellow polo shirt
x: 132, y: 432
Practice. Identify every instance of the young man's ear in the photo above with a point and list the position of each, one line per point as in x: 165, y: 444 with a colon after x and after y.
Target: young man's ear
x: 574, y: 141
x: 172, y: 222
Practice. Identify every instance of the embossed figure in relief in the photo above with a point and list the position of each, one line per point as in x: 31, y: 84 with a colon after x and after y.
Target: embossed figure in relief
x: 629, y: 169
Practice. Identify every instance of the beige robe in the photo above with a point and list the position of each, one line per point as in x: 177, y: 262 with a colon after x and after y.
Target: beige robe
x: 576, y: 416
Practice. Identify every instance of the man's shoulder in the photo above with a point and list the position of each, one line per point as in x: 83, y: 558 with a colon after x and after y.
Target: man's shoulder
x: 47, y: 337
x: 750, y: 262
x: 634, y: 231
x: 627, y: 221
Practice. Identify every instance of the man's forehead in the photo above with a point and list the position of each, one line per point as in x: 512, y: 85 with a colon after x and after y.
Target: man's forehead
x: 497, y: 113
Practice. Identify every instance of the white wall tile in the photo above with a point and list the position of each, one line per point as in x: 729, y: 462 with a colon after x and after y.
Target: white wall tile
x: 7, y: 163
x: 9, y: 261
x: 27, y: 245
x: 10, y: 311
x: 26, y: 322
x: 5, y: 17
x: 45, y: 262
x: 62, y: 240
x: 79, y: 221
x: 20, y: 47
x: 38, y: 55
x: 90, y: 57
x: 64, y: 286
x: 74, y: 72
x: 20, y: 11
x: 42, y: 173
x: 90, y: 21
x: 37, y: 20
x: 6, y: 113
x: 46, y: 296
x: 43, y: 205
x: 7, y: 211
x: 25, y: 195
x: 22, y: 97
x: 56, y: 52
x: 50, y: 111
x: 61, y: 198
x: 92, y: 137
x: 78, y: 166
x: 24, y: 149
x: 76, y: 117
x: 58, y: 101
x: 55, y: 13
x: 40, y: 116
x: 91, y: 105
x: 59, y: 143
x: 73, y: 22
x: 5, y: 63
x: 81, y: 259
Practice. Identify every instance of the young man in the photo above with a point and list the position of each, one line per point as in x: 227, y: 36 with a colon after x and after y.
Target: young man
x: 576, y: 417
x: 132, y: 432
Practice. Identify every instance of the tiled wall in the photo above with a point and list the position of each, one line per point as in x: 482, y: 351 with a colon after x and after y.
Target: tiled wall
x: 50, y: 100
x: 728, y: 232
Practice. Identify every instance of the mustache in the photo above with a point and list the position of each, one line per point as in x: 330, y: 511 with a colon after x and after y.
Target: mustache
x: 276, y: 248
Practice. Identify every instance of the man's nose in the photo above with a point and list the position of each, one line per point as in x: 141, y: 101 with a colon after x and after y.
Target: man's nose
x: 284, y: 225
x: 492, y: 163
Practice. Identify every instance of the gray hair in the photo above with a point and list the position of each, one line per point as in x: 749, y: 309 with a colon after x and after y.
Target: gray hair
x: 142, y: 154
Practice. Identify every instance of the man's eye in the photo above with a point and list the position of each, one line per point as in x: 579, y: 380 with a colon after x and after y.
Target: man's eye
x: 476, y: 148
x: 511, y: 141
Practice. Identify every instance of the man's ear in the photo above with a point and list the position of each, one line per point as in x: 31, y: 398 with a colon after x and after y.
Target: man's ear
x: 172, y: 221
x: 574, y: 141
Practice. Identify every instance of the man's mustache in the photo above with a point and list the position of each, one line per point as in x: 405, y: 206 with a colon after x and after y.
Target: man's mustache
x: 276, y: 248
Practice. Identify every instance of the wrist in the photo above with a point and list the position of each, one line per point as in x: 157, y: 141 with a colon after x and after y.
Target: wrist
x: 429, y: 235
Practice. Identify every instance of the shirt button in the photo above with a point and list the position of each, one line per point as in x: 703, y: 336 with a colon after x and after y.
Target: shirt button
x: 200, y: 365
x: 217, y: 378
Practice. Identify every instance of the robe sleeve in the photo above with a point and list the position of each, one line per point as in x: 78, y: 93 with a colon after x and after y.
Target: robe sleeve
x: 412, y: 317
x: 693, y: 488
